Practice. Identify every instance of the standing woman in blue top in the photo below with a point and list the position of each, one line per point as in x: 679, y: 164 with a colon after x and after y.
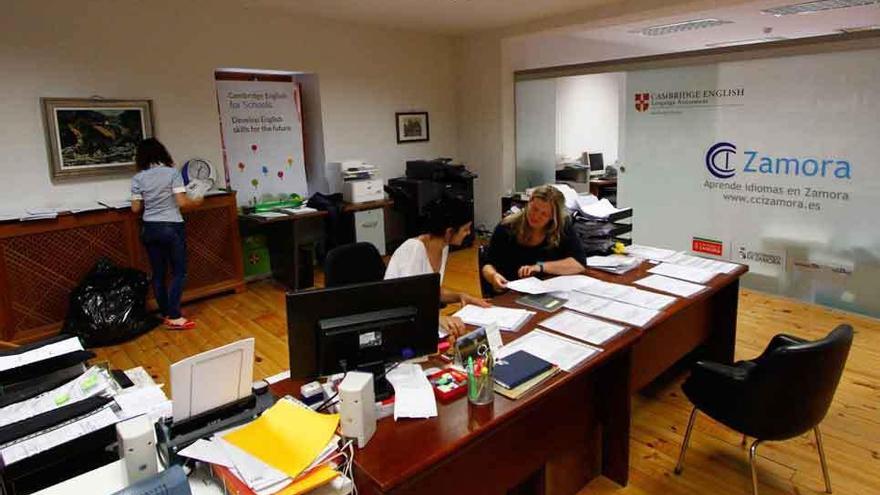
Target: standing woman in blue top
x: 159, y: 192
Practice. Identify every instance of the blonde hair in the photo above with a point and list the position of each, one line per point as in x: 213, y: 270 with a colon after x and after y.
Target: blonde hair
x: 518, y: 221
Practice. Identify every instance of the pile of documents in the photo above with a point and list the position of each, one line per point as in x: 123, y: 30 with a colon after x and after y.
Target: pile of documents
x: 599, y: 210
x: 583, y: 327
x: 615, y: 263
x: 507, y: 319
x: 692, y: 268
x: 289, y: 449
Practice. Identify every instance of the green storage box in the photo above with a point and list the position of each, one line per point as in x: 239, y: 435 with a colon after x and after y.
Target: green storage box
x: 256, y: 256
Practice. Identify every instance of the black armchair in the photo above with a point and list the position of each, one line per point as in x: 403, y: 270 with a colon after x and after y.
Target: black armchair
x: 353, y: 264
x: 783, y: 393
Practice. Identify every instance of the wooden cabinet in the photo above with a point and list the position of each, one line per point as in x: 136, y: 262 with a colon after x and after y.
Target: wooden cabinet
x: 42, y: 261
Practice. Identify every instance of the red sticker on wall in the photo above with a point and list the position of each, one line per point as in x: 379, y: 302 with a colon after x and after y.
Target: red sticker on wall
x: 707, y: 246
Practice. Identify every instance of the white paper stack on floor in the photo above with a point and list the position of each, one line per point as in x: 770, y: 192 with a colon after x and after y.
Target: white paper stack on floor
x: 508, y: 319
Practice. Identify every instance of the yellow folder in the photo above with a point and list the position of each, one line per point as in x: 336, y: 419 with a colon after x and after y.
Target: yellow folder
x: 286, y: 436
x: 318, y: 477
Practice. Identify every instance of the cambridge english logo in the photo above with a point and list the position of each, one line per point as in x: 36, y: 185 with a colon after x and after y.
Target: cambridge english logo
x: 643, y: 101
x: 718, y: 160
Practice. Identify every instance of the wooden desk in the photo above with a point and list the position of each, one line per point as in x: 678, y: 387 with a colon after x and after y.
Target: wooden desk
x: 555, y: 440
x: 291, y: 240
x: 599, y: 186
x: 42, y: 261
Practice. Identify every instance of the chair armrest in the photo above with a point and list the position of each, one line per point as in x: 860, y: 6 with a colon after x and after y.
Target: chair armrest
x: 780, y: 340
x: 716, y: 371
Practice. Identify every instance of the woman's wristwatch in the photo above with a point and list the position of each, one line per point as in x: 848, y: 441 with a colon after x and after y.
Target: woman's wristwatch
x: 541, y: 266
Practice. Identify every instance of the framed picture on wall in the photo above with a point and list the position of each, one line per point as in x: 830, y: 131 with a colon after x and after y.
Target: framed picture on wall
x: 412, y: 127
x: 93, y: 137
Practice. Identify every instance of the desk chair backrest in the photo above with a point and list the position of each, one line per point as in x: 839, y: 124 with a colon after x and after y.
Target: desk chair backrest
x: 482, y: 259
x: 793, y: 384
x: 353, y: 264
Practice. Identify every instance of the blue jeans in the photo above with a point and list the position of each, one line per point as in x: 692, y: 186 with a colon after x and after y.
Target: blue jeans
x: 166, y: 247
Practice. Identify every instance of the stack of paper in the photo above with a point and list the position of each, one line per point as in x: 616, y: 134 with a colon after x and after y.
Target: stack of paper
x: 508, y: 319
x: 626, y: 294
x: 116, y: 204
x: 649, y: 252
x: 93, y: 382
x: 615, y: 263
x: 671, y: 285
x: 80, y: 208
x: 689, y: 273
x: 532, y: 285
x: 299, y: 211
x: 600, y: 210
x: 682, y: 259
x: 40, y: 214
x: 612, y: 310
x: 289, y: 449
x: 583, y: 327
x: 560, y: 351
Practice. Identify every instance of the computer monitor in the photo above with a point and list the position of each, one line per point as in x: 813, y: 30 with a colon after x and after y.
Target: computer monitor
x: 597, y: 164
x: 362, y: 327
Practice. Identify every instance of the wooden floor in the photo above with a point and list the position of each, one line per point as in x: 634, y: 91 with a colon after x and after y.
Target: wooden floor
x: 716, y: 464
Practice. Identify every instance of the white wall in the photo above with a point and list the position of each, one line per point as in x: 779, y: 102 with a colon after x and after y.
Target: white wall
x: 536, y: 133
x: 587, y: 110
x: 167, y: 51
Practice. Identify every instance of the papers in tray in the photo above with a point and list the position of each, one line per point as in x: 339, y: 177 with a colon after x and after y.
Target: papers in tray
x: 563, y: 352
x: 508, y: 319
x: 600, y: 210
x: 95, y: 381
x: 41, y: 353
x: 670, y: 285
x: 612, y: 310
x: 583, y: 327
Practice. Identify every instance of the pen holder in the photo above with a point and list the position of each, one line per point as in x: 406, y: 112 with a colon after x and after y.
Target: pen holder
x: 481, y: 385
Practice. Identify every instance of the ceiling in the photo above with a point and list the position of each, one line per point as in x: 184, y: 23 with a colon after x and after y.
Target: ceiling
x: 747, y: 25
x: 451, y: 17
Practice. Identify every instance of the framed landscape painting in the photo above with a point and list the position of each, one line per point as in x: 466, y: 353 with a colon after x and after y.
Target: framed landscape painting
x: 89, y: 137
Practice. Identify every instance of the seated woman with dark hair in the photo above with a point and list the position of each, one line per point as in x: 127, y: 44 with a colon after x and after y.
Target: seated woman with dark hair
x: 447, y: 223
x: 538, y: 239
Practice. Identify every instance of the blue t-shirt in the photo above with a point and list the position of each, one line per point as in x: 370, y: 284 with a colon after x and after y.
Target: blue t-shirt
x: 156, y: 187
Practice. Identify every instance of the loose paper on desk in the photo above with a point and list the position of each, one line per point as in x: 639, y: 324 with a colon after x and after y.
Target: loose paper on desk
x: 583, y: 327
x: 533, y: 285
x: 650, y: 252
x: 256, y: 473
x: 509, y: 319
x: 682, y: 259
x: 530, y: 285
x: 149, y: 400
x: 688, y: 273
x: 270, y: 214
x: 627, y: 294
x: 671, y: 285
x: 413, y: 395
x: 286, y: 437
x: 207, y: 451
x: 561, y: 351
x: 48, y: 351
x: 612, y: 310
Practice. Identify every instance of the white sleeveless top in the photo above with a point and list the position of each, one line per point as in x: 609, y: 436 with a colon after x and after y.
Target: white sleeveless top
x: 411, y: 258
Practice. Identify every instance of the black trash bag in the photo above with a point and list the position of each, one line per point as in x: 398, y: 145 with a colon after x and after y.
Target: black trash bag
x: 109, y: 306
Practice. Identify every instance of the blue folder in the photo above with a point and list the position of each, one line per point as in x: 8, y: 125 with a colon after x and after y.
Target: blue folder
x: 519, y: 368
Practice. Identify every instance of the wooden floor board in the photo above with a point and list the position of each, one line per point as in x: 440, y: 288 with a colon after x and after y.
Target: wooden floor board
x: 716, y: 462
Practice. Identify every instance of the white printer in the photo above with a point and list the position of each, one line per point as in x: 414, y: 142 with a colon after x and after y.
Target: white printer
x: 357, y: 181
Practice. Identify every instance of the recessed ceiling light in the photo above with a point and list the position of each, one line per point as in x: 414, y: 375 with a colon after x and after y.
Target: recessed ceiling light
x: 678, y: 27
x: 752, y: 41
x: 817, y: 6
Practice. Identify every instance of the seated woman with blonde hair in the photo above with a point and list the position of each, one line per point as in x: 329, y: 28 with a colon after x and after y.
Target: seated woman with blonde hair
x: 538, y: 239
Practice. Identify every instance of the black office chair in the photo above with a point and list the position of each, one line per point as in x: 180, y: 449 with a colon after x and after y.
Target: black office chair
x: 783, y: 393
x: 353, y: 264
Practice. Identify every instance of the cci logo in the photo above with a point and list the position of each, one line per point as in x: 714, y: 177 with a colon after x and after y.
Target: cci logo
x: 718, y: 160
x: 643, y: 101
